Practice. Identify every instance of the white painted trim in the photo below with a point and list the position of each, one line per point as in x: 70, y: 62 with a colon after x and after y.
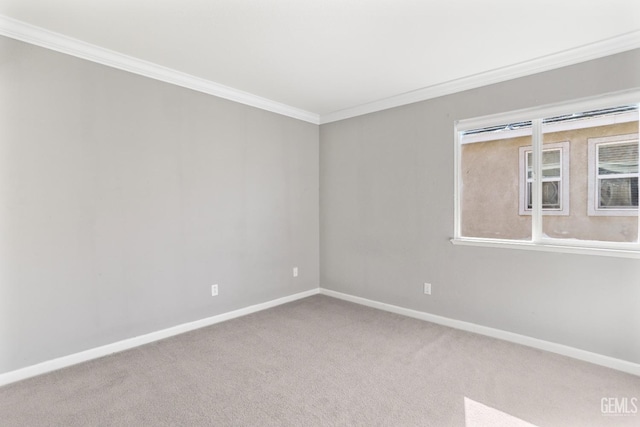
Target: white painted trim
x: 28, y: 33
x: 553, y: 127
x: 565, y: 178
x: 538, y: 241
x: 105, y: 350
x: 22, y: 31
x: 536, y: 214
x: 457, y: 180
x: 581, y: 247
x: 604, y: 100
x: 565, y: 58
x: 598, y: 359
x: 495, y: 136
x: 592, y: 193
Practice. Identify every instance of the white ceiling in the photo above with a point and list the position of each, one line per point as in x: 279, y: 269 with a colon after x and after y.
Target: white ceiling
x: 323, y: 56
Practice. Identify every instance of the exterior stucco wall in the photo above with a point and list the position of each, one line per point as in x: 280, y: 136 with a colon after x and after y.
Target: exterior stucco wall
x: 490, y: 193
x: 489, y: 190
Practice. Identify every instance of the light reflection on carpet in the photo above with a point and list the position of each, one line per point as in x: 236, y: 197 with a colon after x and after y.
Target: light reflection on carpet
x: 478, y: 415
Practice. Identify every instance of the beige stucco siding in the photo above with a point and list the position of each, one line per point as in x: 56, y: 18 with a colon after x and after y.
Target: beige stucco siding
x: 490, y: 191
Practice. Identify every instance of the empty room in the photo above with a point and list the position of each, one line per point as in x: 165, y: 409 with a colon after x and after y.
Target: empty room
x: 319, y: 213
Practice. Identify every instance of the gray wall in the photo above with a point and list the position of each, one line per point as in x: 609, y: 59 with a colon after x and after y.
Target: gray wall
x: 386, y: 212
x: 123, y: 199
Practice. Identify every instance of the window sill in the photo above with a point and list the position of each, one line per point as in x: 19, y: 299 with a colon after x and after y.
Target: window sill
x: 631, y: 252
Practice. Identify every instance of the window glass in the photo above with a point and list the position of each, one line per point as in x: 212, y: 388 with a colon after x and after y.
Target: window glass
x: 604, y: 175
x: 617, y: 165
x: 489, y: 176
x: 551, y: 179
x: 587, y: 180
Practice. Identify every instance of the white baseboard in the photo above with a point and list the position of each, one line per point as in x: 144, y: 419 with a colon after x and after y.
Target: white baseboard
x: 105, y: 350
x: 598, y: 359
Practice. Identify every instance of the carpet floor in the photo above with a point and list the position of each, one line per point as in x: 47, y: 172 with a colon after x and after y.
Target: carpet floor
x: 321, y: 361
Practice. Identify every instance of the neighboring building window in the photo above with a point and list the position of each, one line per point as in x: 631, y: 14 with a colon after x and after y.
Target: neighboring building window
x: 613, y: 176
x: 555, y: 179
x: 582, y: 161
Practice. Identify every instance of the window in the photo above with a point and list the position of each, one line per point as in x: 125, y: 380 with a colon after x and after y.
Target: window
x: 490, y: 192
x: 613, y: 176
x: 555, y: 179
x: 561, y: 177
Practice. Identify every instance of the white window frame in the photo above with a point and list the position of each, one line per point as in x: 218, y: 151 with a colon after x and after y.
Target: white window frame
x: 593, y: 198
x: 564, y: 179
x: 538, y: 241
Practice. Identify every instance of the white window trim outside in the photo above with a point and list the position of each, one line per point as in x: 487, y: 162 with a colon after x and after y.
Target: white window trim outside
x: 592, y: 206
x: 538, y: 241
x: 564, y: 179
x: 552, y: 127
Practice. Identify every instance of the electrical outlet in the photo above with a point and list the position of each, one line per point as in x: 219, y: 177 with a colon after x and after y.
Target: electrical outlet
x: 295, y: 271
x: 427, y: 288
x: 214, y: 290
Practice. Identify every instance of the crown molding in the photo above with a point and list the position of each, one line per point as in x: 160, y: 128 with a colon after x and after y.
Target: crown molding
x: 28, y: 33
x: 565, y: 58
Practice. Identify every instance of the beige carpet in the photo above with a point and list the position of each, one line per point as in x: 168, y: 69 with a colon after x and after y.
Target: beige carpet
x: 322, y: 361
